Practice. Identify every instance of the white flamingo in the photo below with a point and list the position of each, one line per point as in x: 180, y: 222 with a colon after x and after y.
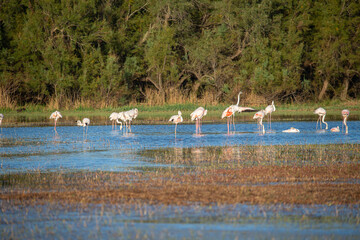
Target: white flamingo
x: 127, y: 116
x: 113, y: 117
x: 291, y: 130
x: 322, y: 113
x: 345, y: 114
x: 131, y: 115
x: 259, y: 116
x: 176, y: 119
x: 55, y: 115
x: 335, y: 129
x: 269, y: 109
x: 197, y: 115
x: 84, y: 123
x: 230, y: 111
x: 121, y: 116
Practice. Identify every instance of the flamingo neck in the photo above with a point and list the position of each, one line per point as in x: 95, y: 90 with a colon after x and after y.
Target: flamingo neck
x: 324, y: 122
x: 237, y: 104
x: 346, y: 127
x: 345, y: 119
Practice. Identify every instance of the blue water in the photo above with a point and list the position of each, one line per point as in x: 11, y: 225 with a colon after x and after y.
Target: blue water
x: 240, y: 221
x: 39, y: 148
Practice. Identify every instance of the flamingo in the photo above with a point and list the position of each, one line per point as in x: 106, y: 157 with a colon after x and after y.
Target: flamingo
x: 259, y: 116
x: 335, y: 129
x: 230, y: 111
x: 128, y: 118
x: 55, y: 115
x: 291, y: 130
x: 345, y: 114
x: 85, y: 123
x: 121, y: 116
x: 322, y: 113
x: 130, y: 115
x: 113, y: 117
x: 269, y: 109
x: 176, y: 119
x: 197, y: 115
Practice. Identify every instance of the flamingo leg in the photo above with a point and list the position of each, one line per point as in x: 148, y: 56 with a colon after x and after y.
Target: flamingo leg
x: 227, y: 119
x: 270, y: 121
x: 317, y: 122
x: 199, y: 126
x: 234, y: 122
x: 175, y: 129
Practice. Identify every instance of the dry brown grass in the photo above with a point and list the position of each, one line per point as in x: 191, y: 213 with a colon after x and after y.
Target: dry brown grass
x: 5, y: 99
x: 174, y: 96
x: 256, y: 185
x: 68, y: 103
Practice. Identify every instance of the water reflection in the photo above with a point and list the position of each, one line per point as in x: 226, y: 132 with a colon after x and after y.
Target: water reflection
x: 114, y: 149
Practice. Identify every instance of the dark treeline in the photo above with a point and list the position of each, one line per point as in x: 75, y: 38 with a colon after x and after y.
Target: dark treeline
x: 107, y: 53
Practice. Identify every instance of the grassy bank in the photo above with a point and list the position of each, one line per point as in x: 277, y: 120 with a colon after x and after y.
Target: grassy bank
x: 160, y: 114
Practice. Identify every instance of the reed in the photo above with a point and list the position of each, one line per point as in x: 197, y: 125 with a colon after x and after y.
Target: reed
x: 6, y: 101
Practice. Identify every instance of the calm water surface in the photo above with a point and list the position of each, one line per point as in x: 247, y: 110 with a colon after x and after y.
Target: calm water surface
x: 39, y: 148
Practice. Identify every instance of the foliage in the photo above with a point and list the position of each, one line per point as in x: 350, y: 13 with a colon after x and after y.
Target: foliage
x: 110, y: 53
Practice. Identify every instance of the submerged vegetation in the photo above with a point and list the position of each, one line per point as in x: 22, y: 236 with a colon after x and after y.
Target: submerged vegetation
x: 306, y: 174
x: 101, y: 54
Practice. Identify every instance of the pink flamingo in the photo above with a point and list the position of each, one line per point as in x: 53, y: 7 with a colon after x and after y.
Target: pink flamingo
x: 55, y: 115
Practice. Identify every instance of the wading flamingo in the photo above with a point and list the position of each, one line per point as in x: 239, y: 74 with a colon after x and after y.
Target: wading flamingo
x: 85, y: 123
x: 269, y: 109
x: 131, y: 114
x: 345, y: 114
x: 197, y: 115
x: 55, y: 115
x: 176, y: 119
x: 121, y: 116
x: 322, y: 113
x: 113, y: 117
x: 230, y: 111
x: 259, y: 116
x: 128, y: 119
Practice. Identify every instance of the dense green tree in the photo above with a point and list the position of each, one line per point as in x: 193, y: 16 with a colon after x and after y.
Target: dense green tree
x: 110, y: 52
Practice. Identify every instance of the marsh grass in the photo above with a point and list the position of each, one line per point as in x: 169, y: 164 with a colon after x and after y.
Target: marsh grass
x: 159, y: 114
x: 307, y: 174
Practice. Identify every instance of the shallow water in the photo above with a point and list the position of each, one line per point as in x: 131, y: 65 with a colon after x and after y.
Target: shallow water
x: 182, y: 222
x: 39, y: 148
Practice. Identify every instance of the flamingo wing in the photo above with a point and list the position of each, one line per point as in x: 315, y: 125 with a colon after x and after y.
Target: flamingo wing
x: 227, y: 112
x: 245, y: 109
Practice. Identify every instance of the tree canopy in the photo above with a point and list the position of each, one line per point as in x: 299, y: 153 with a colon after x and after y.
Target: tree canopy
x: 112, y: 52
